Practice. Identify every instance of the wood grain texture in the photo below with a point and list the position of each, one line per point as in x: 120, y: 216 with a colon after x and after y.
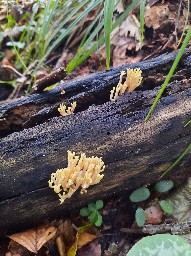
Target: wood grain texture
x: 135, y: 152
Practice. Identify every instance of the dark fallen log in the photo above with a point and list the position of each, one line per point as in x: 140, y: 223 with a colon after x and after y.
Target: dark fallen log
x: 93, y: 89
x: 135, y: 152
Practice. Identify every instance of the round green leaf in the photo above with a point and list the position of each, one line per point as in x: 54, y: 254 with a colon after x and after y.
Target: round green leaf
x: 139, y: 195
x: 167, y: 208
x: 140, y: 217
x: 84, y: 212
x: 99, y: 204
x: 164, y: 186
x: 99, y: 221
x: 92, y: 207
x: 161, y: 245
x: 93, y: 217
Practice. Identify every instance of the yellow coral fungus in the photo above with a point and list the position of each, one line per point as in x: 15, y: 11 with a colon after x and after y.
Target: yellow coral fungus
x: 132, y: 81
x: 70, y: 110
x: 81, y: 172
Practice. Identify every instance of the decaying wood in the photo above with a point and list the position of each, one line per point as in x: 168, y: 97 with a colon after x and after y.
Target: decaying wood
x: 135, y: 152
x: 93, y: 89
x: 54, y: 77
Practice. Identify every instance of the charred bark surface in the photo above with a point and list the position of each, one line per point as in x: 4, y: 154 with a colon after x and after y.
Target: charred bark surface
x: 93, y: 89
x: 135, y: 152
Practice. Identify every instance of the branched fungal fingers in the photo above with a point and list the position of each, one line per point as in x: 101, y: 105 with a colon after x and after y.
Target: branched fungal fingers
x: 67, y: 111
x: 133, y: 80
x: 81, y: 172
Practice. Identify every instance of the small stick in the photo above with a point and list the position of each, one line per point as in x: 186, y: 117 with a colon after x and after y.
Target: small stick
x: 173, y: 228
x: 52, y: 78
x: 13, y: 69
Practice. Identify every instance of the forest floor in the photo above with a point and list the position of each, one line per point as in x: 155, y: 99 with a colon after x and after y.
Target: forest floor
x: 164, y: 22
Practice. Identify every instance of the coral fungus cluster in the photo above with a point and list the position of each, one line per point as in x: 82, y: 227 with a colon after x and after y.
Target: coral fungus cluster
x: 70, y: 110
x: 132, y: 81
x: 81, y: 172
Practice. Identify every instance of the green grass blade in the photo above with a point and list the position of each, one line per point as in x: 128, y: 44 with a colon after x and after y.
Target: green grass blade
x: 185, y: 23
x: 100, y: 14
x: 52, y: 11
x: 108, y: 17
x: 142, y: 11
x: 69, y: 29
x: 68, y: 17
x: 171, y: 72
x: 82, y: 56
x: 189, y: 122
x: 30, y: 30
x: 186, y: 151
x: 48, y: 16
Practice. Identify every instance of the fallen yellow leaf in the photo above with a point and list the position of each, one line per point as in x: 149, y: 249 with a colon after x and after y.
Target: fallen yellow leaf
x: 85, y: 238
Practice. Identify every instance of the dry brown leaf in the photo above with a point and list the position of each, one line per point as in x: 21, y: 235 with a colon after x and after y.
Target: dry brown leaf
x: 93, y: 249
x: 34, y: 239
x: 12, y: 254
x: 119, y: 7
x: 68, y: 232
x: 16, y: 249
x: 85, y: 238
x: 157, y: 16
x: 61, y: 246
x: 125, y: 37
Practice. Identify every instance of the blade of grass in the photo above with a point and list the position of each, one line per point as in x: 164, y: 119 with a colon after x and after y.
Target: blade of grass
x: 91, y: 6
x: 189, y: 122
x: 142, y: 11
x: 186, y: 151
x: 14, y: 47
x: 89, y: 29
x: 29, y: 29
x: 171, y: 72
x: 52, y: 11
x: 185, y: 23
x: 82, y: 56
x: 108, y: 17
x: 49, y: 13
x: 68, y: 17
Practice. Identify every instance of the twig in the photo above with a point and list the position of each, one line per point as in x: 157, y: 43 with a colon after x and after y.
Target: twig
x: 52, y: 78
x: 13, y: 69
x: 173, y: 228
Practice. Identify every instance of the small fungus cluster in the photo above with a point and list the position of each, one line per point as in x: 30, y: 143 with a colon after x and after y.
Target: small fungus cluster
x: 81, y: 172
x: 70, y: 110
x: 132, y: 81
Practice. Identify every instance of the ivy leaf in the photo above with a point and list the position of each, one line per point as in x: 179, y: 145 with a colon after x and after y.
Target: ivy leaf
x: 10, y: 21
x: 139, y: 195
x: 167, y: 208
x: 92, y: 207
x: 98, y: 223
x: 164, y: 186
x: 99, y: 204
x: 161, y: 244
x: 140, y: 217
x: 84, y: 212
x: 93, y: 217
